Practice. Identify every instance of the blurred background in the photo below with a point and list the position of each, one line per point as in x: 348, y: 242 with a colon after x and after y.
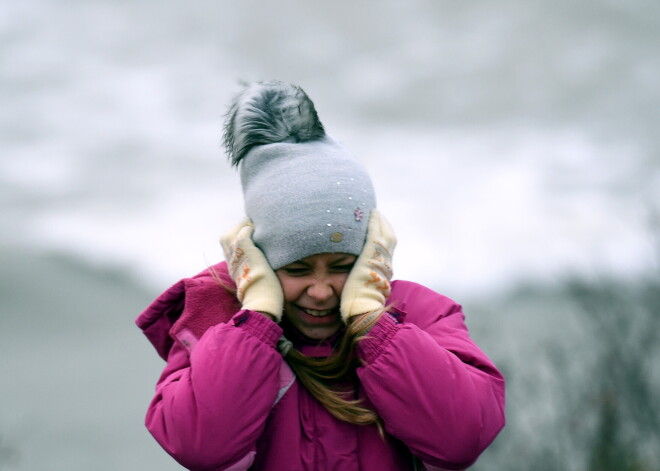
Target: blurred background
x: 514, y: 146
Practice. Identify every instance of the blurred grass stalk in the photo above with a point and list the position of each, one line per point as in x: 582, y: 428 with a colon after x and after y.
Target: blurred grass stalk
x: 587, y: 397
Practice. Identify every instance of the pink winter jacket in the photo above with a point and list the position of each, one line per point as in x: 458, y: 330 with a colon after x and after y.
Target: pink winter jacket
x: 227, y: 400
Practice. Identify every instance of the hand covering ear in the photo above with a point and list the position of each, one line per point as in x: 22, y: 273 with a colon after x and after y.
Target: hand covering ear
x: 368, y: 284
x: 258, y: 287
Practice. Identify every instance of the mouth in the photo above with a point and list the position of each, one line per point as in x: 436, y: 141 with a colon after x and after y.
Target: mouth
x: 316, y: 313
x: 319, y: 313
x: 316, y: 323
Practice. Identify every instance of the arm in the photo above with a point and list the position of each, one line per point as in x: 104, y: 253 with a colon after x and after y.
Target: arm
x: 210, y: 408
x: 433, y: 387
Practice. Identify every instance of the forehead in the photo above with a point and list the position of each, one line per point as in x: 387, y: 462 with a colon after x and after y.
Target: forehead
x: 327, y: 259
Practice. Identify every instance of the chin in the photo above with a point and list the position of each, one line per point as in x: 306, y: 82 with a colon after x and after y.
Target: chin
x: 319, y: 333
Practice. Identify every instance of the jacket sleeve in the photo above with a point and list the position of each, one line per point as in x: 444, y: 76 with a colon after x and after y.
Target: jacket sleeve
x: 435, y: 390
x: 210, y: 407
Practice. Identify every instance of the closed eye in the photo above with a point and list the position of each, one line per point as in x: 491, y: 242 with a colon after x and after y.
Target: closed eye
x: 344, y: 268
x: 296, y: 271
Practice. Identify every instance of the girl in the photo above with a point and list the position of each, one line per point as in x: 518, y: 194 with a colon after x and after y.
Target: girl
x: 299, y: 352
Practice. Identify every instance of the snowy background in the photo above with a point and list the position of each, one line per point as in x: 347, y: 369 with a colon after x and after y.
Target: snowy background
x: 510, y: 143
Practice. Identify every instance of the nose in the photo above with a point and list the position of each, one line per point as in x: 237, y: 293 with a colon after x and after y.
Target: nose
x: 320, y: 290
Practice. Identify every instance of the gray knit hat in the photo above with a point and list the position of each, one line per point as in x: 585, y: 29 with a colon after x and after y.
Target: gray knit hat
x: 304, y: 192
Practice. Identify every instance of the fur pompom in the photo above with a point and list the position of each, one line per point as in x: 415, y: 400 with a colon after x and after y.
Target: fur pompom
x: 269, y: 112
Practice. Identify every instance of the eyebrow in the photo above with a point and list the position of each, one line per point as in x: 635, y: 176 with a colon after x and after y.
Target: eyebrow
x: 344, y: 258
x: 341, y: 258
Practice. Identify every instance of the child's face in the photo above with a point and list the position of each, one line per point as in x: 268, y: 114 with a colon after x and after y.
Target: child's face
x: 312, y: 292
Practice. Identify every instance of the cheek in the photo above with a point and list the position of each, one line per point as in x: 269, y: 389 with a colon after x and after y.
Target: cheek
x: 340, y: 283
x: 290, y: 288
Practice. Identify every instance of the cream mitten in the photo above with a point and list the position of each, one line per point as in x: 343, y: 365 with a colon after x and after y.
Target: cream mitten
x: 258, y: 287
x: 368, y: 284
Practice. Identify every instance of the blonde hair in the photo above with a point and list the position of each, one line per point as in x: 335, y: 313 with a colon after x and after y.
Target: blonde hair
x: 324, y: 377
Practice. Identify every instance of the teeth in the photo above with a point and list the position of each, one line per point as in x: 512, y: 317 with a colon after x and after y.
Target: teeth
x: 315, y: 313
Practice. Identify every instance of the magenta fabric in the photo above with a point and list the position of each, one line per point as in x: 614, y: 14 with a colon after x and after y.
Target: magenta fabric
x: 227, y: 400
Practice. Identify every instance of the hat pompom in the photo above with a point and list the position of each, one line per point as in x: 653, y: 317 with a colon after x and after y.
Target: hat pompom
x: 269, y: 112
